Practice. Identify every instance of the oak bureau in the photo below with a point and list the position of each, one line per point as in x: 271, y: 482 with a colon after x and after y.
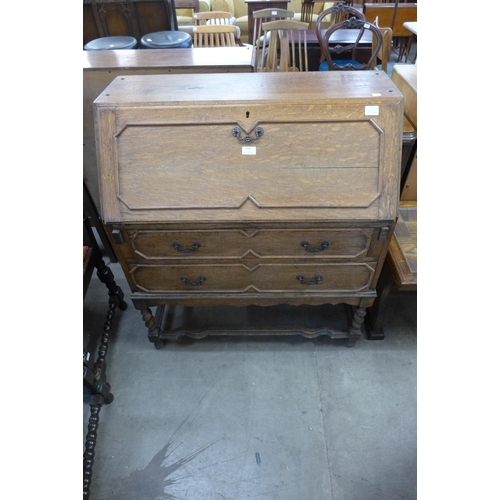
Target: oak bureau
x: 250, y: 189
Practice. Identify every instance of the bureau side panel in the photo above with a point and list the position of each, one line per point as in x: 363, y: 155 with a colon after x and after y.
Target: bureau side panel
x: 107, y: 159
x: 391, y: 119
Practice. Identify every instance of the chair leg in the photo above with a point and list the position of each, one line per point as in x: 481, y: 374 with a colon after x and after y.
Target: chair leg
x: 106, y: 276
x: 94, y: 377
x: 90, y: 443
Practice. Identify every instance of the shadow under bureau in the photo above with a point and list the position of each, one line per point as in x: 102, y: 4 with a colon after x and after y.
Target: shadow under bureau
x: 250, y: 189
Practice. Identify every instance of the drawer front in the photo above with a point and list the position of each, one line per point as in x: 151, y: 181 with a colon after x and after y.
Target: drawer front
x: 237, y: 278
x: 337, y: 243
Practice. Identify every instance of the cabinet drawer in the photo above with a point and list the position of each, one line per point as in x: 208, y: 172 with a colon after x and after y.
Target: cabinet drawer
x: 334, y: 243
x: 306, y: 278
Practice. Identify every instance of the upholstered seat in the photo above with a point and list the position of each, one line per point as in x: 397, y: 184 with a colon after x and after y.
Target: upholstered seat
x: 111, y: 43
x: 166, y: 40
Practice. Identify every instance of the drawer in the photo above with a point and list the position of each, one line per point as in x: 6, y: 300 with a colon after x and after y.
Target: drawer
x: 332, y: 243
x: 306, y: 278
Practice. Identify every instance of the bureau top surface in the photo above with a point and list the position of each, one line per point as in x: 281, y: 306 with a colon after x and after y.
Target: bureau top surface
x: 307, y: 87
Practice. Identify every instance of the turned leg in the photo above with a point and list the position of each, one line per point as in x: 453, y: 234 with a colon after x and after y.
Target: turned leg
x: 152, y: 326
x: 377, y: 313
x: 94, y: 377
x: 106, y: 276
x: 355, y: 328
x: 96, y: 402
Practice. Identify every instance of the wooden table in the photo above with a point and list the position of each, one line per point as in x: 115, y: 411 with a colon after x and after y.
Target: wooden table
x: 339, y: 37
x: 400, y: 269
x: 404, y: 77
x: 411, y: 26
x: 254, y: 5
x: 101, y: 67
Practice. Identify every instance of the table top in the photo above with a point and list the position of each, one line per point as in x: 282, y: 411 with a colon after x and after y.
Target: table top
x: 407, y: 73
x: 402, y: 253
x: 267, y: 1
x: 341, y: 36
x: 411, y: 26
x: 167, y: 58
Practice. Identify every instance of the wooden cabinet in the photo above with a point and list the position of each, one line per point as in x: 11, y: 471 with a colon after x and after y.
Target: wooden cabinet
x: 259, y: 189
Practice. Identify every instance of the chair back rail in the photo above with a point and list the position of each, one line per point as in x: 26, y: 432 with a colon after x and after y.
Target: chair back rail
x: 335, y: 14
x: 355, y: 24
x: 264, y: 16
x: 214, y: 35
x: 385, y: 52
x: 287, y: 49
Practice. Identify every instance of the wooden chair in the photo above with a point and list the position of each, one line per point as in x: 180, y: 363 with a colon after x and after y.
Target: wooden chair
x: 214, y: 35
x: 385, y: 52
x: 212, y: 17
x: 352, y: 49
x: 218, y: 17
x: 333, y: 15
x: 337, y: 13
x: 94, y: 374
x: 264, y: 16
x: 287, y: 46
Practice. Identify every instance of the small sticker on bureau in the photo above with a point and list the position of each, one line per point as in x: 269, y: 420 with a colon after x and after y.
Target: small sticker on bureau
x: 371, y: 110
x: 248, y: 150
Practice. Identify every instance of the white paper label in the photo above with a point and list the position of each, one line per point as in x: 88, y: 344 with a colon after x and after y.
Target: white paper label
x: 274, y: 12
x: 371, y: 110
x: 248, y: 150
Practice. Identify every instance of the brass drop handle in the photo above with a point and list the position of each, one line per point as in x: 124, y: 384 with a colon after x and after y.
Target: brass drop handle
x: 200, y: 281
x: 177, y: 246
x: 324, y: 246
x: 259, y: 132
x: 316, y: 281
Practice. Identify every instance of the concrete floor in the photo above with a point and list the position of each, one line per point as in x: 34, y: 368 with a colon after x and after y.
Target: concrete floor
x: 244, y: 418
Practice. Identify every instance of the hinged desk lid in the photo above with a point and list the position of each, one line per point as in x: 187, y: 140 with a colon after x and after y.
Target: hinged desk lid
x: 260, y: 146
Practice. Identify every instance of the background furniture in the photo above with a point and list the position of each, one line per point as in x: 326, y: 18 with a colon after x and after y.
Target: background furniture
x: 399, y: 272
x: 384, y: 53
x: 287, y: 50
x: 393, y: 15
x: 218, y: 17
x: 400, y: 269
x: 214, y: 35
x: 259, y: 210
x: 340, y: 37
x: 332, y: 15
x: 134, y: 18
x: 411, y: 26
x: 111, y: 43
x: 185, y: 10
x: 254, y: 5
x: 166, y: 40
x: 331, y: 52
x: 94, y: 219
x: 261, y: 43
x: 404, y: 77
x: 94, y: 374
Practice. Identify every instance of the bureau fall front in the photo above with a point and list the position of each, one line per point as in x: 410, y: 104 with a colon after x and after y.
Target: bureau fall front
x: 250, y: 189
